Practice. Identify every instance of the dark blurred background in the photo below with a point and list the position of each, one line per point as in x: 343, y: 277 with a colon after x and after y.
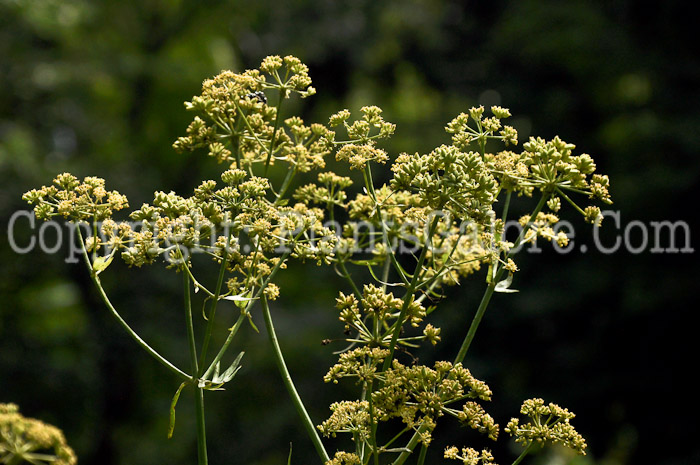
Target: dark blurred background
x: 96, y: 88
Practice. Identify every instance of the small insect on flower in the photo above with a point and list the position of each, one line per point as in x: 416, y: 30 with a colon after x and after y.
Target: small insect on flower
x: 260, y: 95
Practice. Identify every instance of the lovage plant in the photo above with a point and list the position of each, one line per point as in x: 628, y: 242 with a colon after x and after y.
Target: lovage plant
x: 441, y: 217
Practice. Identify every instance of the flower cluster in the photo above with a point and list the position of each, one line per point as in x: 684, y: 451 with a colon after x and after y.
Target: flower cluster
x: 330, y: 191
x: 548, y: 166
x: 542, y: 226
x: 553, y: 168
x: 485, y: 128
x: 450, y: 180
x: 26, y: 440
x: 360, y: 148
x: 438, y: 210
x: 75, y: 200
x: 417, y: 395
x: 548, y: 423
x: 420, y: 395
x: 469, y: 456
x: 348, y: 417
x: 235, y: 223
x: 344, y: 458
x: 379, y: 307
x: 236, y: 125
x: 474, y: 416
x: 360, y: 363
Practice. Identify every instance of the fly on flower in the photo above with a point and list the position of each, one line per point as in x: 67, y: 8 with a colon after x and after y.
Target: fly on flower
x: 260, y: 95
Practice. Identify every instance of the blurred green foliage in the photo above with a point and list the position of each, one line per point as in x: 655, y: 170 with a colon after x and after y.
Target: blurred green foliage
x: 96, y: 88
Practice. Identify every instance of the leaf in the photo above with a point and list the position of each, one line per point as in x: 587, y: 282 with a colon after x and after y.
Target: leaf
x: 101, y: 263
x: 371, y: 271
x: 171, y: 425
x: 239, y: 300
x: 372, y: 261
x: 504, y: 286
x: 250, y: 320
x: 230, y: 372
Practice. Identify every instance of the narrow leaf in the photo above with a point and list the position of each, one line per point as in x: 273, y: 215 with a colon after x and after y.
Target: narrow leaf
x: 371, y: 271
x: 171, y: 426
x: 250, y: 320
x: 232, y: 370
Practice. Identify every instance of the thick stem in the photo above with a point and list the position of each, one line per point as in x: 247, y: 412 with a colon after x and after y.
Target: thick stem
x: 198, y: 391
x: 201, y: 427
x: 423, y: 453
x: 285, y: 185
x: 373, y: 426
x: 412, y: 443
x: 347, y: 276
x: 289, y: 384
x: 475, y: 322
x: 212, y: 314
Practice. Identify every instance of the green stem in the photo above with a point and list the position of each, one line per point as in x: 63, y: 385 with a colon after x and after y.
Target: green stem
x: 347, y: 276
x: 385, y: 272
x: 188, y: 320
x: 475, y: 322
x: 533, y: 217
x: 523, y: 454
x: 103, y: 295
x: 222, y: 351
x: 201, y: 427
x: 373, y: 424
x: 250, y: 129
x: 397, y: 436
x: 481, y: 310
x: 289, y: 384
x: 212, y: 313
x: 506, y: 206
x: 412, y: 443
x: 285, y: 185
x: 245, y: 313
x: 198, y: 391
x: 369, y: 186
x: 422, y: 454
x: 573, y: 204
x: 408, y: 297
x: 474, y: 325
x: 283, y: 91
